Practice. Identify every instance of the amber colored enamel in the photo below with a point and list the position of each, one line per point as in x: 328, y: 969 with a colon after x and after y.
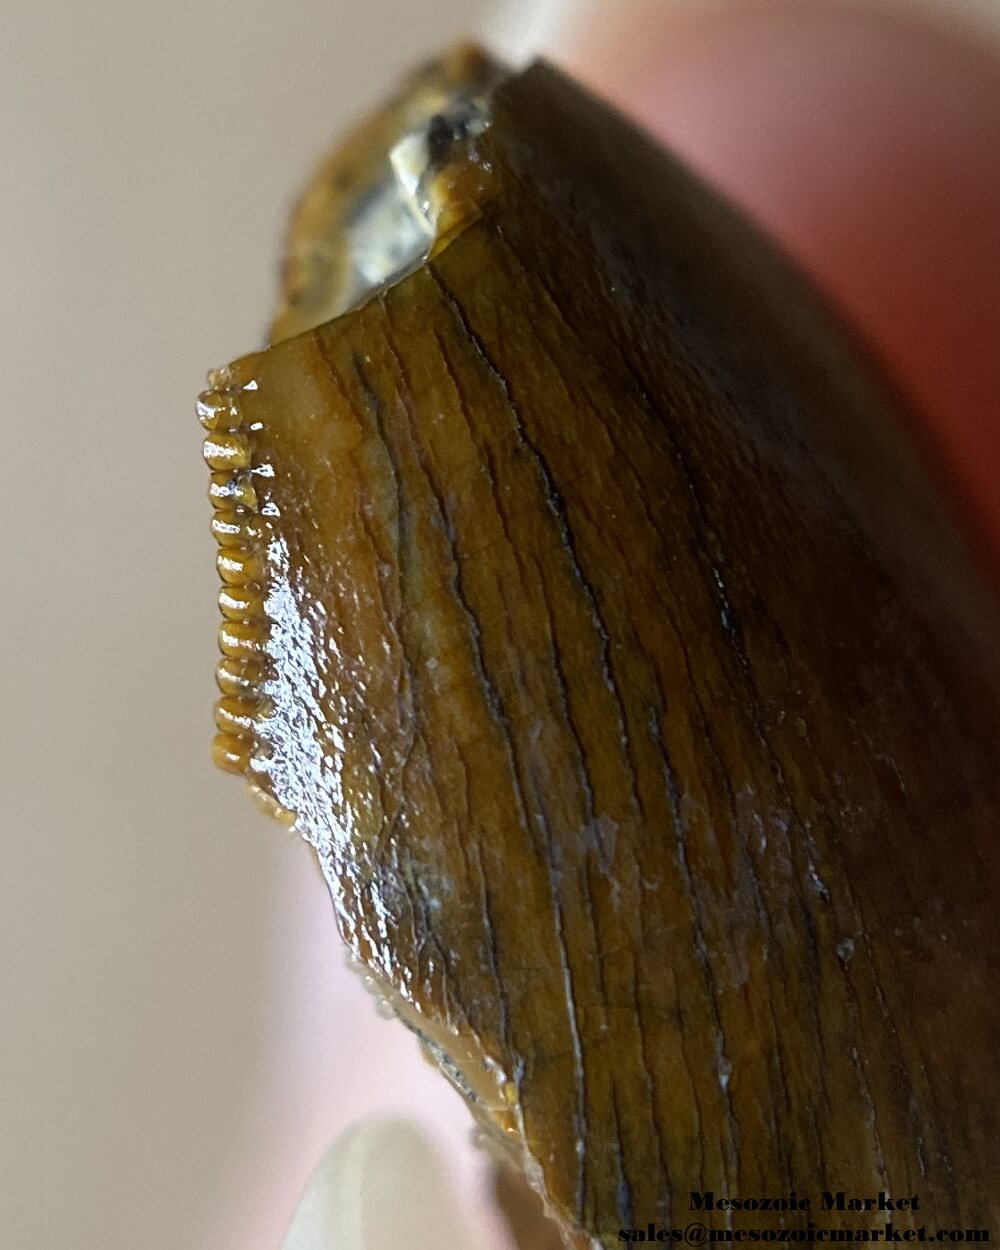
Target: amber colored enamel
x: 229, y: 490
x: 639, y: 694
x: 241, y: 603
x: 236, y: 716
x: 242, y: 640
x: 230, y: 753
x: 240, y: 677
x: 238, y: 567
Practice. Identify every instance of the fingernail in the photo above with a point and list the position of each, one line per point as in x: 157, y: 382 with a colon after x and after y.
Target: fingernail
x: 379, y: 1186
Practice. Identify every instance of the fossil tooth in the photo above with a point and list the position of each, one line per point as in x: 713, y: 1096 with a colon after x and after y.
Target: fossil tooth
x: 589, y: 610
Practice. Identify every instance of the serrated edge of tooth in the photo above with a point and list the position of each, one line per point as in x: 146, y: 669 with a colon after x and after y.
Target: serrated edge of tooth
x: 241, y: 548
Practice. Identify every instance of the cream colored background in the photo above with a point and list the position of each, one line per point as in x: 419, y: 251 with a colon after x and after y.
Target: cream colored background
x: 179, y: 1036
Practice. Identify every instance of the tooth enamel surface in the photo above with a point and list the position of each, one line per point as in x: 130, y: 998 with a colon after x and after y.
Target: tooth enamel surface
x: 232, y: 529
x: 239, y: 677
x: 230, y: 753
x: 235, y: 715
x: 227, y: 490
x: 579, y: 634
x: 238, y: 567
x: 380, y: 224
x: 217, y: 411
x: 241, y: 603
x: 227, y: 451
x: 237, y: 639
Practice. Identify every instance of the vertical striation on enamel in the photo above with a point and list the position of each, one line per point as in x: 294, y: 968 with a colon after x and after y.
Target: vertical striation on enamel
x: 589, y: 609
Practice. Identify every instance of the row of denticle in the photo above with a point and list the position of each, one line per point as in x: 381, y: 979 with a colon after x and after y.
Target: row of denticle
x: 237, y: 528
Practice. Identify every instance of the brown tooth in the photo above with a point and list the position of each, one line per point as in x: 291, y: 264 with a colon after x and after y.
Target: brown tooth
x: 630, y: 675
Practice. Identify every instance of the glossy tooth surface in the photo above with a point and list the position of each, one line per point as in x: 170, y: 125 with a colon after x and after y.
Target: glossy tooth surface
x: 242, y: 640
x: 230, y: 753
x: 239, y: 677
x: 627, y: 669
x: 237, y: 567
x: 230, y: 490
x: 227, y: 451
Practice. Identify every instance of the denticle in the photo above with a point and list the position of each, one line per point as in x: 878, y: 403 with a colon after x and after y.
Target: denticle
x: 239, y: 532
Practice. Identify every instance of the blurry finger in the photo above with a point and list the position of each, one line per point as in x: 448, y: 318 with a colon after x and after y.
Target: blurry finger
x: 868, y: 142
x: 378, y: 1187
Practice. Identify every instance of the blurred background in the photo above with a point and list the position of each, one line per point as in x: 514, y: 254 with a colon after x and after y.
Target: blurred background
x: 181, y: 1037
